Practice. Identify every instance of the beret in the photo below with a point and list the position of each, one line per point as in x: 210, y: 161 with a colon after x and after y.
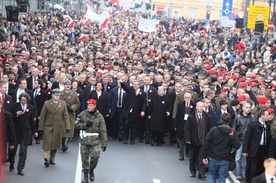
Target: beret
x: 92, y: 101
x: 270, y: 110
x: 262, y: 100
x: 241, y: 97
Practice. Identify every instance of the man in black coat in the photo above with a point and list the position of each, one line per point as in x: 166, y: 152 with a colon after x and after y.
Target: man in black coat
x: 31, y: 80
x: 256, y: 145
x: 150, y: 92
x: 184, y: 109
x: 134, y: 110
x: 40, y: 97
x: 117, y: 99
x: 196, y: 128
x: 5, y: 98
x: 23, y: 118
x: 269, y: 174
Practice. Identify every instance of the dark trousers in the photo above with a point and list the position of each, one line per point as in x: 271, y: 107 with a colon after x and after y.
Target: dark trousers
x: 157, y: 137
x: 195, y: 160
x: 116, y: 123
x: 144, y: 131
x: 131, y: 126
x: 254, y: 165
x: 22, y: 155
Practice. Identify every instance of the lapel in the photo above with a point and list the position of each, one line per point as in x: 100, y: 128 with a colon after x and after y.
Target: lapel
x: 54, y: 106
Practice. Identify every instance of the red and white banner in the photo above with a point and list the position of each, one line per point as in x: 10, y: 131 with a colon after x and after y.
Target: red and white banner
x: 67, y: 18
x: 102, y: 18
x: 147, y: 25
x: 82, y: 37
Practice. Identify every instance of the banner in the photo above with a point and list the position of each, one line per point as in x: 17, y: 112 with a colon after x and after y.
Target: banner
x: 90, y: 15
x: 126, y: 4
x: 147, y: 25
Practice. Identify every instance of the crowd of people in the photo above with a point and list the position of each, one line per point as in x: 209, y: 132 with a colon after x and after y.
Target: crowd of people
x: 178, y: 82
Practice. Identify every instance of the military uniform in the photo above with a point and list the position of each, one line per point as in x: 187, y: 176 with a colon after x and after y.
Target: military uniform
x: 90, y: 144
x: 72, y: 103
x: 53, y: 119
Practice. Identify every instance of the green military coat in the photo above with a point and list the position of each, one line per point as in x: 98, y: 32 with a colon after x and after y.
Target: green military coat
x: 53, y: 119
x: 72, y: 98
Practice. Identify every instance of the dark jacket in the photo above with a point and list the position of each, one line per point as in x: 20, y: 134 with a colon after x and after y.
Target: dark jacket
x: 253, y: 137
x: 259, y: 179
x: 240, y: 124
x: 219, y: 143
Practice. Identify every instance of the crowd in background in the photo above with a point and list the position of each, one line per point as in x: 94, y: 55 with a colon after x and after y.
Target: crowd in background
x: 148, y: 86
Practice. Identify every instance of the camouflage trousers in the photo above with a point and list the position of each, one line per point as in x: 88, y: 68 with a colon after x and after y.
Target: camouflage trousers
x: 92, y: 152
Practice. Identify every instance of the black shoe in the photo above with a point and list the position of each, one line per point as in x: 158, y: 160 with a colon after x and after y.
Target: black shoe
x: 92, y: 177
x: 120, y: 139
x: 187, y: 155
x: 181, y: 159
x: 11, y: 167
x: 192, y: 175
x: 132, y: 142
x: 37, y: 141
x: 64, y: 148
x: 147, y: 142
x: 52, y: 163
x: 202, y: 177
x: 46, y: 163
x: 114, y: 138
x: 152, y: 143
x: 125, y: 141
x: 20, y: 172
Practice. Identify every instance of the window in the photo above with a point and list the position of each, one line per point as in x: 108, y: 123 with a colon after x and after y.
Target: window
x: 193, y: 14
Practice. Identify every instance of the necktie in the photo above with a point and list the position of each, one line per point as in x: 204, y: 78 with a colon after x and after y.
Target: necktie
x: 264, y: 132
x: 35, y: 93
x: 147, y: 95
x: 272, y: 180
x: 120, y: 98
x: 199, y: 116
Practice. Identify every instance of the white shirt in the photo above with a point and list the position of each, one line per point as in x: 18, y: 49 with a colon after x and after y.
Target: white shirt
x: 268, y: 178
x: 19, y: 91
x: 262, y: 138
x: 222, y: 111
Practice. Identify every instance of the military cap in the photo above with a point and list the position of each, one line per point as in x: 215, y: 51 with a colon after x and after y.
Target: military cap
x: 270, y: 110
x: 241, y: 97
x: 56, y: 91
x: 262, y: 100
x: 92, y: 101
x: 67, y: 82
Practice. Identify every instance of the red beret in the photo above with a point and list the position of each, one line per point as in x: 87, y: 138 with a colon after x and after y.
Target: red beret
x: 241, y: 97
x: 255, y: 84
x: 122, y: 54
x: 224, y: 89
x: 234, y: 76
x: 270, y: 110
x: 92, y: 101
x: 241, y: 80
x: 248, y: 82
x: 242, y: 84
x: 213, y: 72
x: 207, y: 67
x: 262, y: 100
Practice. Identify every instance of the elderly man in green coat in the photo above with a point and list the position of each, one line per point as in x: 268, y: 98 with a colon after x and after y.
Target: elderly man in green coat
x: 53, y: 119
x: 72, y: 103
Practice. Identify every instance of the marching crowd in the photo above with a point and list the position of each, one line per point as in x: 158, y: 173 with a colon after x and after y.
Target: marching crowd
x: 208, y: 91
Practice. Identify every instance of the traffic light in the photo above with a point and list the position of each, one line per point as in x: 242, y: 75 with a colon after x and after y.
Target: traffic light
x: 208, y: 14
x: 153, y: 7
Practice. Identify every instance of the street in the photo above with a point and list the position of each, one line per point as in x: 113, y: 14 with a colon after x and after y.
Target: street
x: 121, y: 163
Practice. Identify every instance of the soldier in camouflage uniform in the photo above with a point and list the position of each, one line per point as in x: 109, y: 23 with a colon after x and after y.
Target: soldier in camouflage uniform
x: 93, y: 131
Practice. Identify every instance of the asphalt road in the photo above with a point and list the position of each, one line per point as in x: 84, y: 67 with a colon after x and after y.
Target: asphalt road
x: 121, y: 163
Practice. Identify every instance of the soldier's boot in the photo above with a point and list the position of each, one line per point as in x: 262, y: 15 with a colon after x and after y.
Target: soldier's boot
x: 64, y: 144
x: 92, y: 177
x: 85, y: 177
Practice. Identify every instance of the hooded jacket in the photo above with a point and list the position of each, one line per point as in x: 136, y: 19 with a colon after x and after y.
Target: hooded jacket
x: 220, y: 141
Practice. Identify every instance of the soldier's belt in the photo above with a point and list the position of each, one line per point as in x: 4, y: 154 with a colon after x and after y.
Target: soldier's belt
x: 84, y: 134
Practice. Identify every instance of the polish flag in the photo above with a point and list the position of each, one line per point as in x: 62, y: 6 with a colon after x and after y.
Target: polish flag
x: 82, y: 37
x: 125, y: 32
x: 86, y: 22
x: 71, y: 23
x: 66, y: 18
x: 116, y: 2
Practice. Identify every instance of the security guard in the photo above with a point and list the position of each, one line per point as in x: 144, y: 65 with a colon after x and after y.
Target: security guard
x: 93, y: 131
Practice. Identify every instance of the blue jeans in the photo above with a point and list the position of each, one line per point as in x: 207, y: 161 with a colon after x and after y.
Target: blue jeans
x: 240, y: 169
x: 218, y: 169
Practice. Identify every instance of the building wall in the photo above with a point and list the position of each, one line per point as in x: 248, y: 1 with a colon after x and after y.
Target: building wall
x: 198, y: 8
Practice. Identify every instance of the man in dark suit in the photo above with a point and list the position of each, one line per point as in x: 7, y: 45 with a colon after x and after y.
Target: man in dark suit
x: 23, y: 118
x: 134, y: 109
x: 9, y: 131
x: 40, y: 97
x: 184, y: 109
x: 6, y: 99
x: 196, y: 128
x: 270, y: 171
x: 107, y: 86
x: 10, y: 85
x: 150, y: 92
x: 222, y: 109
x: 256, y: 145
x: 90, y: 87
x: 117, y: 100
x: 31, y: 80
